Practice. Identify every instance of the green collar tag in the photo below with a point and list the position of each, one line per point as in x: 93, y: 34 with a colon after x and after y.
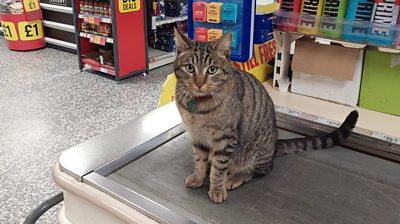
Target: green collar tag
x: 191, y: 105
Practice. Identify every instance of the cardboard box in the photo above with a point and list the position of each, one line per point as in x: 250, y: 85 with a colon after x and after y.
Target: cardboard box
x: 381, y: 82
x: 329, y: 72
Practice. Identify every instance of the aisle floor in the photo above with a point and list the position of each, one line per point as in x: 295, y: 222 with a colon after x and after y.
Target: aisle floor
x: 48, y: 105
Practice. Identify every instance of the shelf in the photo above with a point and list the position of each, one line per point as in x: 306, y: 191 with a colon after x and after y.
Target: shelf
x: 96, y: 41
x: 370, y: 123
x: 102, y: 19
x: 323, y: 39
x: 167, y: 20
x: 159, y: 58
x: 99, y: 69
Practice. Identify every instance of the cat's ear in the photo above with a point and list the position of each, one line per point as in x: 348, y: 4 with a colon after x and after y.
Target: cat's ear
x: 182, y: 42
x: 224, y: 44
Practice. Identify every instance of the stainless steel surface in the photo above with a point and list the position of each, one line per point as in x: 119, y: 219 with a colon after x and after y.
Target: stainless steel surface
x: 90, y: 155
x: 140, y: 150
x: 326, y: 186
x: 160, y: 210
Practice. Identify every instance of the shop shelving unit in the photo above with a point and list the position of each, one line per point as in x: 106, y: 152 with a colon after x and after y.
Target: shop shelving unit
x: 156, y: 22
x: 129, y: 38
x: 379, y: 132
x: 129, y: 42
x: 157, y: 57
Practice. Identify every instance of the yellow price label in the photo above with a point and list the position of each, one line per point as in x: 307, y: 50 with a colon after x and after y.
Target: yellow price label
x: 31, y: 30
x: 91, y: 19
x: 128, y: 5
x: 31, y: 5
x: 97, y: 40
x: 9, y: 31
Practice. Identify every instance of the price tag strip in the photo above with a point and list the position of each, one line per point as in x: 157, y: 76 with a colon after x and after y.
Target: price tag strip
x: 336, y: 124
x: 289, y: 111
x: 100, y: 69
x: 96, y: 39
x: 329, y: 122
x: 92, y: 20
x: 385, y: 137
x: 96, y: 19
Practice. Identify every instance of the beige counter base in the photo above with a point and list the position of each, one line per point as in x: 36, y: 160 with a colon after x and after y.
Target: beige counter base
x: 85, y: 204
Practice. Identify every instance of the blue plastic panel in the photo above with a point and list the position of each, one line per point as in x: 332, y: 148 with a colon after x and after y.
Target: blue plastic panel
x: 242, y: 29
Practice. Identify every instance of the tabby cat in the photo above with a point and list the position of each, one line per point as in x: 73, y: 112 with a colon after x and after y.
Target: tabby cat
x: 231, y: 118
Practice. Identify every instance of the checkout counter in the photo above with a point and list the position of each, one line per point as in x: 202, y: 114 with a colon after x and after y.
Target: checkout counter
x: 135, y: 173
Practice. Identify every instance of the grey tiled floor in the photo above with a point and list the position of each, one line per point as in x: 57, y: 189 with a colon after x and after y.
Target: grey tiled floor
x: 46, y: 106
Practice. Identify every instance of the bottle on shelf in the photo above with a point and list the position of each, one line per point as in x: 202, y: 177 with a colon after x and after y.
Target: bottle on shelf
x: 85, y: 27
x: 109, y: 9
x: 81, y: 8
x: 384, y: 22
x: 101, y: 6
x: 96, y: 8
x: 105, y: 8
x: 311, y: 11
x: 333, y: 18
x: 107, y: 30
x: 288, y: 15
x: 358, y: 15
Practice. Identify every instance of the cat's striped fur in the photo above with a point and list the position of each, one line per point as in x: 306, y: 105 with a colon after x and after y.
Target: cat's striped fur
x: 231, y: 118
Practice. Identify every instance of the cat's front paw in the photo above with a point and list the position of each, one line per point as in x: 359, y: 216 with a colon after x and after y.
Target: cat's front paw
x: 193, y: 181
x: 218, y: 196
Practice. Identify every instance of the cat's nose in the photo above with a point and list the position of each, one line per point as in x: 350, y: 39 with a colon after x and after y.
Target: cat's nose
x: 199, y: 84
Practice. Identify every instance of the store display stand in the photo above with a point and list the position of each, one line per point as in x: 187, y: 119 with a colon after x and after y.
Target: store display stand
x: 131, y: 52
x: 129, y: 42
x: 238, y: 18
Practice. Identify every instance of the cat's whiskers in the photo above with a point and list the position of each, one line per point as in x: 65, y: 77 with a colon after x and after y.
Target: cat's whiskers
x: 214, y: 97
x: 181, y: 94
x: 221, y: 97
x: 219, y: 100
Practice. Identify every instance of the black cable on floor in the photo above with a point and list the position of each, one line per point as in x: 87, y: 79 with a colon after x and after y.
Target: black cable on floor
x: 43, y: 207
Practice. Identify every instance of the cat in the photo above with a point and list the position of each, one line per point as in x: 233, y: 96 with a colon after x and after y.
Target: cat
x: 231, y: 118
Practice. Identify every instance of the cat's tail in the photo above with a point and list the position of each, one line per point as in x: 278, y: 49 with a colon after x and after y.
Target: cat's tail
x: 287, y: 146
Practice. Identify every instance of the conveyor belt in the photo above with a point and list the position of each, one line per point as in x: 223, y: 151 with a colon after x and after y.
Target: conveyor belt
x: 327, y: 186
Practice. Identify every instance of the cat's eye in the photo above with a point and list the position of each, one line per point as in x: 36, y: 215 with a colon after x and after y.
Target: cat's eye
x: 189, y: 68
x: 212, y: 70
